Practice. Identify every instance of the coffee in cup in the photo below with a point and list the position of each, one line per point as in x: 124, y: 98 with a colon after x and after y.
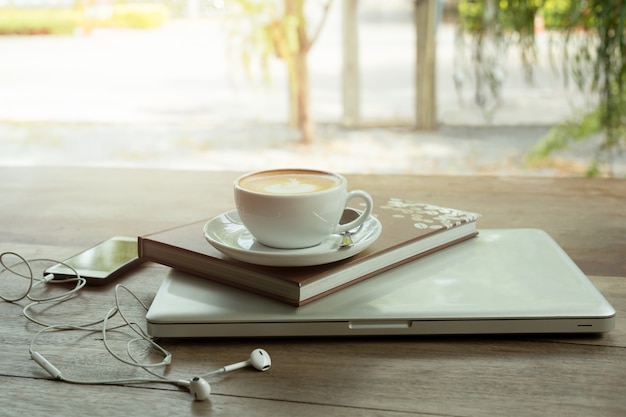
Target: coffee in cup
x: 295, y: 208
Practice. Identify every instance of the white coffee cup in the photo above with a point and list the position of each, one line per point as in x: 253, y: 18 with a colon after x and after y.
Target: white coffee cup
x: 295, y: 208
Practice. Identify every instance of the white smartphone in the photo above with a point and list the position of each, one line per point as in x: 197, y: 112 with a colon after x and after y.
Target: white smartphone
x: 99, y: 264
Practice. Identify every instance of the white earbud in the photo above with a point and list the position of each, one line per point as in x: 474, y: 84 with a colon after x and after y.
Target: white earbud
x: 199, y: 388
x: 259, y: 359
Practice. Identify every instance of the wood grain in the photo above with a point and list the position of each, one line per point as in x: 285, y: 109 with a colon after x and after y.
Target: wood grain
x: 53, y: 212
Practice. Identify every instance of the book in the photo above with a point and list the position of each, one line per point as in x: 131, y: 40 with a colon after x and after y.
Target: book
x: 410, y: 230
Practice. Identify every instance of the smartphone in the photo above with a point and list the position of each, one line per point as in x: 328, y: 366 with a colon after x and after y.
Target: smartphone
x: 103, y: 262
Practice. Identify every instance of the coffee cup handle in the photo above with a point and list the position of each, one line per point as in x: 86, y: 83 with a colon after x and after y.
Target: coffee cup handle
x: 369, y: 204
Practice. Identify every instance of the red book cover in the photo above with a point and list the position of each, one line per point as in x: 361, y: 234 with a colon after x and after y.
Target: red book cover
x: 409, y: 230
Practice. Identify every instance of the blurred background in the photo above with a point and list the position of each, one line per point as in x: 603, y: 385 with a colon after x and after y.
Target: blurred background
x: 450, y: 87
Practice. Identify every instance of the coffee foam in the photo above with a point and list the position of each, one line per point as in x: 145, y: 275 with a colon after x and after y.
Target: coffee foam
x: 292, y: 186
x: 289, y: 183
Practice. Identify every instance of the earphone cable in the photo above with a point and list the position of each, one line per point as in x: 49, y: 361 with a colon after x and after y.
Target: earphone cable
x: 197, y: 385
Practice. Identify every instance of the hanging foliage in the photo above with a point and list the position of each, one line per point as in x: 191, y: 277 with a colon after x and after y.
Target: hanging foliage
x: 486, y: 30
x: 593, y: 51
x: 595, y: 30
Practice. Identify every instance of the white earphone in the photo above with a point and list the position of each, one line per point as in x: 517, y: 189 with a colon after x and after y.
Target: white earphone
x: 197, y: 386
x: 259, y: 359
x: 200, y: 388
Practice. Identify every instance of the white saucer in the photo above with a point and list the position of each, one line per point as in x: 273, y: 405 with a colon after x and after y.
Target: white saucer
x: 227, y: 234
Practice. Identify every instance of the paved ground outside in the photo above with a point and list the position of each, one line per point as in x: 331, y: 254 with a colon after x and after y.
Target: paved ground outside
x: 176, y: 98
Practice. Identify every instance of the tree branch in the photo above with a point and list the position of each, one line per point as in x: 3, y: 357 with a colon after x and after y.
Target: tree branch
x: 318, y: 30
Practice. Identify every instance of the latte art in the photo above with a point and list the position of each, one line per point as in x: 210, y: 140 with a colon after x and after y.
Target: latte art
x: 289, y: 182
x: 295, y: 208
x: 292, y: 186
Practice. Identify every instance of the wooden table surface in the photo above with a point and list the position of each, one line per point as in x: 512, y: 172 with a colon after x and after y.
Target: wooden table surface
x: 56, y: 212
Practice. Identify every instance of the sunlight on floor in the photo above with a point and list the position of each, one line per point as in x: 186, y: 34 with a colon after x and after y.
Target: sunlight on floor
x: 169, y: 98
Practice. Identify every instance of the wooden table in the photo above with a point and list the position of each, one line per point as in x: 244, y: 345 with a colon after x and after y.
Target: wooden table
x: 55, y: 212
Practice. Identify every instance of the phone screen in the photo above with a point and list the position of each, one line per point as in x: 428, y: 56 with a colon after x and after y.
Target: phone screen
x: 103, y: 261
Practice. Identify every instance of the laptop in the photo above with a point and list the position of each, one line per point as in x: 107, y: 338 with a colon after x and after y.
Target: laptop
x: 508, y: 281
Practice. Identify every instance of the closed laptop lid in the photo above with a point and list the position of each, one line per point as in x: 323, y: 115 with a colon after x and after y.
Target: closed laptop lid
x: 503, y: 281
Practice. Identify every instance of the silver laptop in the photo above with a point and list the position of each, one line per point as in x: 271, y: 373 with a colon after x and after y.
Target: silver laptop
x: 503, y: 281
